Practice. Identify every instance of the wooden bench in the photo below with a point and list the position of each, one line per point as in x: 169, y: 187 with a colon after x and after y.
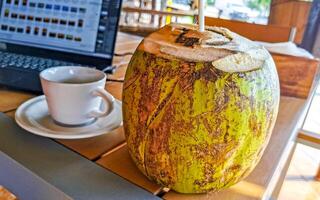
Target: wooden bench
x: 257, y: 32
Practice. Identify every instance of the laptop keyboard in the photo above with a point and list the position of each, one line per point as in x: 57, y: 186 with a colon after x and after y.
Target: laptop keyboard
x: 12, y: 60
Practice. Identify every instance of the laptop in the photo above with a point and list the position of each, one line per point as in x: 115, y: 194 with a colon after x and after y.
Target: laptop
x: 39, y: 34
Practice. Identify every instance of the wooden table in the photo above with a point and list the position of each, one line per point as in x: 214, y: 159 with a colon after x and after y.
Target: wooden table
x: 110, y: 151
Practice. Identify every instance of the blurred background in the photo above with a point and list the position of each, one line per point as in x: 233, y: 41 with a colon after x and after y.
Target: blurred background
x: 142, y: 17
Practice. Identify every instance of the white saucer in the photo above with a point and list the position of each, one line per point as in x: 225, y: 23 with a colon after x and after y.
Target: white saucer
x: 34, y: 117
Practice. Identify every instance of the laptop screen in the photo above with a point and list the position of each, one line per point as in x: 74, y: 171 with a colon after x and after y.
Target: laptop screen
x: 85, y: 27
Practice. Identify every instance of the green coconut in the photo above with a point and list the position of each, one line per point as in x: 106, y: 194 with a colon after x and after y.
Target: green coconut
x: 199, y: 107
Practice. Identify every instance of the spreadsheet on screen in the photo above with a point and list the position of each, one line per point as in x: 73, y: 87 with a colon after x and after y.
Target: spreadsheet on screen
x: 65, y: 25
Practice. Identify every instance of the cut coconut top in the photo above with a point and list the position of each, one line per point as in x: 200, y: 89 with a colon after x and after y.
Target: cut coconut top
x: 226, y: 50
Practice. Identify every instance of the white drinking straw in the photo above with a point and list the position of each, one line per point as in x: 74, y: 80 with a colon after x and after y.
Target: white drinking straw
x: 201, y: 15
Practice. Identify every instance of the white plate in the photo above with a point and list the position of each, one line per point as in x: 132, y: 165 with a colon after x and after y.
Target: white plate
x: 33, y: 116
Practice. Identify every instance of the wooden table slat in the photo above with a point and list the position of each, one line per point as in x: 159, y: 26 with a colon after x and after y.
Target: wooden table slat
x: 11, y: 113
x: 120, y: 163
x: 126, y: 43
x: 10, y: 99
x: 93, y: 148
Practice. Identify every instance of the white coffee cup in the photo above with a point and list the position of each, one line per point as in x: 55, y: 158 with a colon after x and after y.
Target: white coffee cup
x: 74, y: 94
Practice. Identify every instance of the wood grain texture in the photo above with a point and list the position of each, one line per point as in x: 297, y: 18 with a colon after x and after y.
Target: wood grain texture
x: 296, y: 75
x: 10, y: 99
x: 128, y: 47
x: 6, y: 195
x: 317, y: 177
x: 258, y: 184
x: 93, y: 148
x: 123, y: 37
x: 120, y: 163
x: 126, y: 43
x: 310, y: 137
x: 11, y: 113
x: 291, y: 13
x: 115, y: 88
x: 265, y: 33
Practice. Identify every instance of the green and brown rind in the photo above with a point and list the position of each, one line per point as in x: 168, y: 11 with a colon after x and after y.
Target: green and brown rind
x: 192, y: 127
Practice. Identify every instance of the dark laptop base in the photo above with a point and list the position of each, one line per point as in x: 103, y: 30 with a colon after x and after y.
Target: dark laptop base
x: 20, y: 79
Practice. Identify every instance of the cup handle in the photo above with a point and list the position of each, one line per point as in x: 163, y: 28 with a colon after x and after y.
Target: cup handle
x: 108, y: 100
